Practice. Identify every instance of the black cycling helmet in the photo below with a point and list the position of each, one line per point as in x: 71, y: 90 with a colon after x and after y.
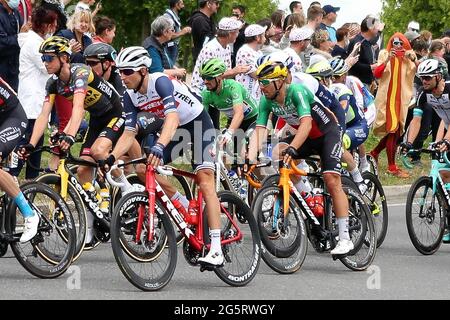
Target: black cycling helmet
x: 101, y: 51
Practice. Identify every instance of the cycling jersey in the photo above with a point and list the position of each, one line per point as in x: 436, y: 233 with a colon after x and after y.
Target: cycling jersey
x: 322, y: 93
x: 231, y: 94
x: 364, y: 99
x: 164, y: 95
x: 299, y: 103
x: 441, y: 105
x: 101, y: 98
x: 352, y: 113
x: 8, y: 98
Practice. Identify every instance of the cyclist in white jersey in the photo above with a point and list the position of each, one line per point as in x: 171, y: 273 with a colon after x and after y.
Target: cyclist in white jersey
x: 172, y: 101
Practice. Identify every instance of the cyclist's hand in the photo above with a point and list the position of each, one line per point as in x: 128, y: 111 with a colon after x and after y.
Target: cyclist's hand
x: 156, y: 154
x: 443, y: 145
x: 66, y: 141
x: 54, y: 137
x: 226, y: 138
x: 24, y: 150
x: 107, y: 163
x: 405, y: 147
x: 289, y: 154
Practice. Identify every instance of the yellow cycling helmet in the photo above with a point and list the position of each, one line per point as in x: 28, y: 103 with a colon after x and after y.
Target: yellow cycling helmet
x: 271, y: 70
x: 56, y: 45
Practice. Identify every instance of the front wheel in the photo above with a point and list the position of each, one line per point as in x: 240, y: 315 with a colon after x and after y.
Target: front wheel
x: 425, y: 218
x: 148, y: 265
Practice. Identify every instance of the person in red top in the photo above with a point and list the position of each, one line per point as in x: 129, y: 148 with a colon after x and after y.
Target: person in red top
x: 25, y: 9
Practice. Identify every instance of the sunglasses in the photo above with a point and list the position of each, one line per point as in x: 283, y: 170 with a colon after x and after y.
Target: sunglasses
x: 208, y: 78
x: 266, y: 82
x: 92, y: 63
x: 47, y: 58
x: 128, y: 72
x: 427, y: 78
x: 397, y: 43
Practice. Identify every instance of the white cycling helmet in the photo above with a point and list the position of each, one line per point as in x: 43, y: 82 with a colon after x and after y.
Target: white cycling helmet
x: 277, y: 56
x: 429, y: 67
x: 133, y: 57
x: 339, y: 66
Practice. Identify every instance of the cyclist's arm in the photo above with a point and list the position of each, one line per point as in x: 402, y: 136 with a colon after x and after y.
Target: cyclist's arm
x: 126, y: 139
x: 124, y: 143
x: 238, y: 117
x: 77, y: 114
x: 302, y: 132
x: 41, y: 122
x: 256, y: 141
x: 165, y: 89
x: 441, y: 132
x: 416, y: 122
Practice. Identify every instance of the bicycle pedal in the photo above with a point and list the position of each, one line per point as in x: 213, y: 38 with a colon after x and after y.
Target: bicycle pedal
x: 338, y: 256
x: 209, y: 267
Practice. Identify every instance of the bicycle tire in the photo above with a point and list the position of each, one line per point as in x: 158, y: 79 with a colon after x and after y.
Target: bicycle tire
x: 58, y: 218
x: 247, y: 248
x: 166, y: 244
x: 428, y: 218
x: 76, y: 207
x: 381, y: 219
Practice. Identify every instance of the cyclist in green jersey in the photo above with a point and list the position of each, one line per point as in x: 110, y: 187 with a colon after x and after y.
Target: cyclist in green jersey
x: 229, y: 97
x: 318, y: 132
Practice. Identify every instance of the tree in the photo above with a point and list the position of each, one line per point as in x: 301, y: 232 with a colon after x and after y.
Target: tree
x: 433, y: 15
x: 134, y: 18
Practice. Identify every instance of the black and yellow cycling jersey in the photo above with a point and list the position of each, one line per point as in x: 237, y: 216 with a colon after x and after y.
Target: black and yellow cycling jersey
x: 101, y: 98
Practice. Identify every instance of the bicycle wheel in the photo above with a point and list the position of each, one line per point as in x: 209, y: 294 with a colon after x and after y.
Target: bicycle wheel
x: 361, y: 228
x: 75, y: 205
x: 50, y: 252
x: 281, y: 234
x: 376, y: 200
x: 425, y: 216
x: 242, y: 257
x: 148, y: 265
x: 373, y: 164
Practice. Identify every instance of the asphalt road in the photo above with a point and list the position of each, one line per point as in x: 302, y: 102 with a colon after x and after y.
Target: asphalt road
x: 398, y: 272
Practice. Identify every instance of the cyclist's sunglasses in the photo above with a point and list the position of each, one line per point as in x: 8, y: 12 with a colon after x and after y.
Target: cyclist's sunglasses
x: 426, y: 78
x: 208, y: 78
x: 47, y: 58
x: 128, y: 72
x: 266, y: 82
x: 92, y: 63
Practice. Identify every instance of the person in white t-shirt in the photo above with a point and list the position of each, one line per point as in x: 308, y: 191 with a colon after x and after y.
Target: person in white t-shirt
x: 227, y: 33
x: 248, y: 54
x: 300, y: 38
x: 87, y: 4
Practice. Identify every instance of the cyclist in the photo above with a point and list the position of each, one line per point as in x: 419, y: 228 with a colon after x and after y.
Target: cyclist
x: 363, y: 97
x: 435, y: 92
x: 317, y: 132
x: 89, y: 92
x: 182, y: 112
x: 13, y: 122
x: 356, y: 131
x: 228, y: 96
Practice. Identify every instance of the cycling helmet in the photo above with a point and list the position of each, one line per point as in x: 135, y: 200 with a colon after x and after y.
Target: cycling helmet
x: 277, y: 56
x: 320, y: 70
x: 272, y: 70
x: 101, y: 51
x: 339, y: 66
x: 133, y: 57
x: 429, y: 67
x: 55, y: 45
x: 213, y: 68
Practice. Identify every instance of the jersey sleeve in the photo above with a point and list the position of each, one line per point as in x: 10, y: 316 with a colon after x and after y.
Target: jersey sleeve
x: 50, y: 90
x: 81, y: 80
x: 206, y: 101
x: 420, y: 105
x: 165, y: 89
x: 264, y: 112
x: 130, y: 113
x: 236, y: 94
x: 303, y: 99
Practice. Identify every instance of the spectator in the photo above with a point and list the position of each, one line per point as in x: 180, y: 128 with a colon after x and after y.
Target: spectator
x: 315, y: 4
x: 10, y: 25
x: 314, y: 17
x: 105, y: 30
x: 248, y: 54
x: 25, y: 9
x: 292, y: 21
x: 413, y: 26
x: 58, y: 7
x: 321, y: 43
x: 437, y: 51
x: 268, y: 46
x: 340, y: 49
x: 420, y: 47
x: 218, y: 48
x: 366, y: 63
x: 203, y: 27
x: 296, y: 7
x: 427, y: 35
x: 79, y: 24
x: 412, y: 36
x: 239, y: 13
x: 277, y: 19
x: 32, y: 78
x: 446, y: 41
x: 353, y: 29
x: 329, y: 18
x: 396, y: 69
x: 175, y: 6
x: 86, y: 5
x: 299, y: 42
x: 162, y: 32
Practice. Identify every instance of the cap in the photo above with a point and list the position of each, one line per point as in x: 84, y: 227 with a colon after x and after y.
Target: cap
x: 414, y: 26
x: 327, y: 9
x: 229, y: 24
x: 254, y: 30
x: 299, y: 34
x: 411, y: 35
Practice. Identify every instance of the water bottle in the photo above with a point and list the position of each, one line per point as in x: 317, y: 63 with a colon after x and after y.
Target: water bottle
x: 90, y: 190
x: 193, y: 212
x: 104, y: 205
x: 234, y: 179
x: 269, y: 150
x: 319, y: 209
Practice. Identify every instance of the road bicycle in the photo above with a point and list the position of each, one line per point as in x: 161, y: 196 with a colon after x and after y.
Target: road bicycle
x: 144, y: 242
x: 286, y: 222
x: 48, y: 254
x: 428, y: 203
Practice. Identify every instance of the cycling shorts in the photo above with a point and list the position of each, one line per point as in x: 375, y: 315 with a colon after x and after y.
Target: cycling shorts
x: 13, y: 124
x: 356, y: 134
